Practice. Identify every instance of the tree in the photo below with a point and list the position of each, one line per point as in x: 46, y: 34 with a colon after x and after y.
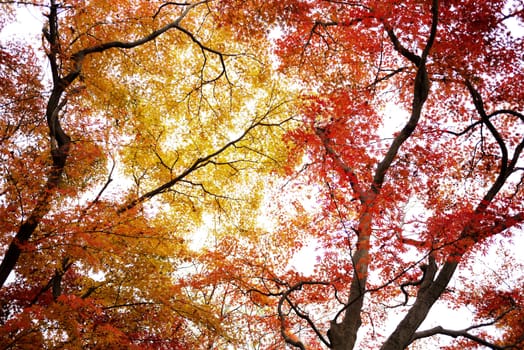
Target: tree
x: 132, y: 128
x: 401, y: 214
x: 160, y: 177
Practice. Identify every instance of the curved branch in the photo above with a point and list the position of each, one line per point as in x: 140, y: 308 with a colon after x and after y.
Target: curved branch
x: 415, y: 59
x: 285, y: 298
x: 79, y: 56
x: 507, y: 166
x: 507, y: 111
x: 455, y: 334
x: 491, y: 115
x: 378, y: 80
x: 200, y: 162
x: 420, y: 94
x: 479, y: 105
x: 172, y: 3
x: 350, y: 173
x: 465, y: 332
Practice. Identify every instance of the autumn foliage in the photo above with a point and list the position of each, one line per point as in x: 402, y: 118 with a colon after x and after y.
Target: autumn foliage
x: 262, y: 174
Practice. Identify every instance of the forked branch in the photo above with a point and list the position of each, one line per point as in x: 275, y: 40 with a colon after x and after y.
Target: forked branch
x: 285, y: 298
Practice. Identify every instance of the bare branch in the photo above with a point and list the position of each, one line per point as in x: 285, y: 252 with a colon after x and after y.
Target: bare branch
x: 465, y: 332
x: 455, y: 334
x: 479, y: 105
x: 400, y: 48
x: 23, y: 3
x: 169, y: 3
x: 378, y: 79
x: 104, y: 187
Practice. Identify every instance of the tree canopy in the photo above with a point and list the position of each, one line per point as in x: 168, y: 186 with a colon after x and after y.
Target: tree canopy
x: 262, y: 174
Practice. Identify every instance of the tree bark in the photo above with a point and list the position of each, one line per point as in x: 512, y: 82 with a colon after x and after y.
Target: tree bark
x: 343, y: 335
x: 428, y: 294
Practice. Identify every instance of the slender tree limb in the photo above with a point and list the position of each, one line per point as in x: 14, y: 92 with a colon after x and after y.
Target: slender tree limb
x: 80, y: 55
x: 199, y: 163
x: 24, y: 3
x: 415, y: 59
x: 506, y: 166
x: 479, y: 105
x: 169, y: 3
x: 507, y: 111
x: 455, y: 334
x: 282, y: 317
x: 465, y: 332
x: 350, y: 173
x: 479, y: 122
x: 378, y: 80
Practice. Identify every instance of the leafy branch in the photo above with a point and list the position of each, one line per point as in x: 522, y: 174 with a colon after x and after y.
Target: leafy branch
x: 285, y: 298
x: 203, y: 161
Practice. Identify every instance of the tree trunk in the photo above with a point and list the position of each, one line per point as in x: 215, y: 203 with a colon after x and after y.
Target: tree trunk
x: 428, y: 294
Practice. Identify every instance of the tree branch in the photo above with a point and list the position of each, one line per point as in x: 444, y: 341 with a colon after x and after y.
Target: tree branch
x: 454, y: 334
x: 199, y: 163
x: 352, y: 177
x: 420, y: 94
x: 415, y: 59
x: 80, y: 55
x: 479, y: 105
x: 283, y: 329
